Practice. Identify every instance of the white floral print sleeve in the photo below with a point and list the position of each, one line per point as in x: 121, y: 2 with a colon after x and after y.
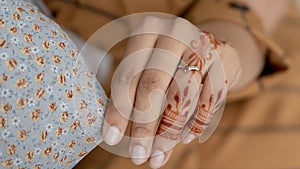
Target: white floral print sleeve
x: 51, y: 106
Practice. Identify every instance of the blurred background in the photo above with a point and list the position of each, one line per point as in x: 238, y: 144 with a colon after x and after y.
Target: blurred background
x: 259, y: 132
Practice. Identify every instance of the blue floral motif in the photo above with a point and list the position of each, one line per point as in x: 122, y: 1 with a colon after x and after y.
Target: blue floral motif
x: 51, y: 106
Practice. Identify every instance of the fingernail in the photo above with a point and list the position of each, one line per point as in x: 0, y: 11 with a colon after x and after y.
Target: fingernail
x: 138, y: 154
x: 112, y: 135
x: 189, y: 138
x: 157, y: 159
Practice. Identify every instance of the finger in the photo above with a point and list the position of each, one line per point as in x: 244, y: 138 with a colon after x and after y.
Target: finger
x: 159, y: 158
x: 124, y: 84
x: 232, y: 68
x: 151, y: 95
x: 212, y: 95
x: 182, y: 97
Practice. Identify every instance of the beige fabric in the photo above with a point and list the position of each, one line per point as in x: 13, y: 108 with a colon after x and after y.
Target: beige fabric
x: 73, y: 14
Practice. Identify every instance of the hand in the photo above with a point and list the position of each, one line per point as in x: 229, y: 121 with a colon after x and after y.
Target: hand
x: 165, y: 103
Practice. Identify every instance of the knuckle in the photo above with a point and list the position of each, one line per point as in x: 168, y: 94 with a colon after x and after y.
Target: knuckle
x: 150, y: 82
x: 150, y: 19
x: 146, y: 25
x: 126, y: 77
x: 142, y: 130
x: 149, y: 23
x: 176, y: 27
x: 178, y: 21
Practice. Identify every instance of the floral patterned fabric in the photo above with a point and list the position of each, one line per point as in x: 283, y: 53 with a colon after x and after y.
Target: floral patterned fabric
x: 51, y: 106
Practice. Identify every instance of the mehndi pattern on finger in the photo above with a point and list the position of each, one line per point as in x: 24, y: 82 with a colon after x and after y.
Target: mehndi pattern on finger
x: 173, y: 120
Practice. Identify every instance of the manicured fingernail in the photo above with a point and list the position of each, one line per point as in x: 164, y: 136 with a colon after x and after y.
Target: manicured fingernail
x: 189, y: 138
x: 112, y: 135
x: 138, y: 154
x: 157, y: 159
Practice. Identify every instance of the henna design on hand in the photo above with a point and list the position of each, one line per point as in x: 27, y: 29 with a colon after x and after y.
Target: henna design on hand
x: 204, y: 113
x: 173, y: 120
x: 205, y: 45
x: 200, y: 119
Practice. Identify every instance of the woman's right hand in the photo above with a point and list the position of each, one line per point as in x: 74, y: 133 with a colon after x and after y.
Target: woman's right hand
x: 154, y: 89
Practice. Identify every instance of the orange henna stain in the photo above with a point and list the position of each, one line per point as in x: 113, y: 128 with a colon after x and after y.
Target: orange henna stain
x: 211, y: 99
x: 212, y: 39
x: 176, y: 97
x: 187, y: 103
x: 219, y: 96
x: 171, y: 123
x: 186, y: 90
x: 201, y: 119
x: 177, y: 100
x: 195, y: 60
x: 192, y: 58
x: 193, y: 44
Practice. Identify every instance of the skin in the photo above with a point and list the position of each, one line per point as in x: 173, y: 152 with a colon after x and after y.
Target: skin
x: 181, y: 97
x: 170, y: 106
